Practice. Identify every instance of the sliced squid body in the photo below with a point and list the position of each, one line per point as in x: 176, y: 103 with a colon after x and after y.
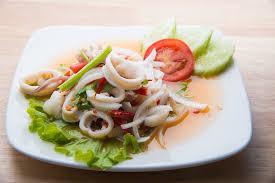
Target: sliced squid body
x: 42, y: 83
x: 53, y: 106
x: 157, y: 116
x: 106, y: 102
x: 178, y: 109
x: 69, y: 112
x: 186, y: 102
x: 124, y: 69
x: 90, y: 117
x: 148, y: 112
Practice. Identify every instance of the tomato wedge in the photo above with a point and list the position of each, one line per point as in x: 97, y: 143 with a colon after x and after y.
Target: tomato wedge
x: 177, y: 56
x: 77, y: 66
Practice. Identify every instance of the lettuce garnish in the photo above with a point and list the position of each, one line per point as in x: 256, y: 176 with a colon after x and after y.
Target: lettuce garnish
x: 98, y: 154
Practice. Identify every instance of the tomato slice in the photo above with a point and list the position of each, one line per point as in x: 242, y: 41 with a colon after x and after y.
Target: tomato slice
x: 77, y: 66
x: 177, y: 56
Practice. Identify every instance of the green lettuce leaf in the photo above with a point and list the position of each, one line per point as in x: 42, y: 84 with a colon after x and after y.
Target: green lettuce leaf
x: 68, y: 139
x: 46, y: 126
x: 101, y: 154
x: 130, y: 144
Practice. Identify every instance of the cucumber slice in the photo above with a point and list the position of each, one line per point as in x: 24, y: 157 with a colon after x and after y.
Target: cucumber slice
x: 216, y: 57
x: 196, y: 37
x: 165, y: 30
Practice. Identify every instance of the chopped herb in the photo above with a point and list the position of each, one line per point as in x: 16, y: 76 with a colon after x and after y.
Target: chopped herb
x: 83, y: 105
x: 107, y: 88
x: 81, y: 101
x: 84, y: 56
x: 184, y: 87
x: 88, y: 87
x: 144, y: 82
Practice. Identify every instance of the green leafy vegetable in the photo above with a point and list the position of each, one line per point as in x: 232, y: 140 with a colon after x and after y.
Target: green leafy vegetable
x: 45, y: 125
x: 83, y: 104
x: 72, y: 132
x: 81, y: 101
x: 101, y: 154
x: 51, y: 133
x: 98, y: 154
x: 107, y: 88
x: 130, y: 143
x: 93, y: 63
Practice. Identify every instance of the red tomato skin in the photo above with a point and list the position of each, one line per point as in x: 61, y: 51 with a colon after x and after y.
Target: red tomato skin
x: 175, y: 44
x: 77, y: 66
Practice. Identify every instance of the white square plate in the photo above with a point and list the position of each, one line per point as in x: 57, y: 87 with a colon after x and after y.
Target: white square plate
x: 229, y: 133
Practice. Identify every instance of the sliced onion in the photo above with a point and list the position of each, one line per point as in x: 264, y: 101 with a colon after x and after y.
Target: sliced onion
x: 180, y: 113
x: 157, y: 115
x: 143, y: 139
x: 151, y: 57
x: 103, y: 106
x: 186, y: 102
x: 133, y: 123
x: 160, y: 137
x: 115, y: 132
x: 126, y: 106
x: 152, y: 99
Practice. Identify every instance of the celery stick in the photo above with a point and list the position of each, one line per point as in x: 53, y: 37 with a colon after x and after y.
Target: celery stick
x: 93, y: 63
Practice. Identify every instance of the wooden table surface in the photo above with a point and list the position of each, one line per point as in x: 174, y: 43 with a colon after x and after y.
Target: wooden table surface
x: 251, y: 24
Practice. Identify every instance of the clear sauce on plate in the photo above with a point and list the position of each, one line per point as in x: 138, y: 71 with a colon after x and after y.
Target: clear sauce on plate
x: 206, y: 91
x: 203, y: 90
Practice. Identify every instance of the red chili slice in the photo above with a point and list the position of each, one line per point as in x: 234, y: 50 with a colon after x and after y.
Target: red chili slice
x: 122, y: 114
x: 100, y: 85
x: 141, y: 91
